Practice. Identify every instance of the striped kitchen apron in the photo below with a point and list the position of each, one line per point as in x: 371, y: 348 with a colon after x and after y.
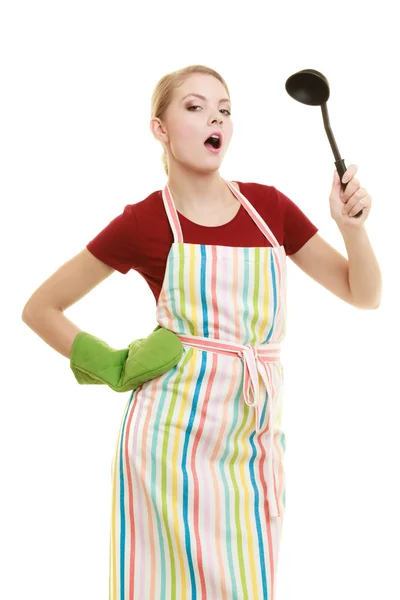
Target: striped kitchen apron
x: 198, y: 485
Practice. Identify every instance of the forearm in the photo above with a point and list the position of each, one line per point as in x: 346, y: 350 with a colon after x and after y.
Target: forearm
x: 53, y: 327
x: 365, y: 278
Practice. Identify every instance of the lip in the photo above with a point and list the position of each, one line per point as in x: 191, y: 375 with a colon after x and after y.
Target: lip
x: 215, y: 150
x: 220, y: 135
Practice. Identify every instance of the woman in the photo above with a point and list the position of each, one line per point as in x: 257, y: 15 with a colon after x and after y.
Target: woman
x: 198, y: 495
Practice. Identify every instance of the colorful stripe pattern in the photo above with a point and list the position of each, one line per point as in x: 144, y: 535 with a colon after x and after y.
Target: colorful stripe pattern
x: 198, y: 493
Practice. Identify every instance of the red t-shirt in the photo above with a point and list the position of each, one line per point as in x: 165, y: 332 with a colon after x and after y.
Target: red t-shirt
x: 140, y: 237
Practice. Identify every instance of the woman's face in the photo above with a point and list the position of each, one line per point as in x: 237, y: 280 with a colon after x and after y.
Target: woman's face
x: 190, y: 120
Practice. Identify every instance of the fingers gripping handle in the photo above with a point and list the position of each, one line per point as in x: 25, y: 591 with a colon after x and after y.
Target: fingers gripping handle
x: 341, y: 169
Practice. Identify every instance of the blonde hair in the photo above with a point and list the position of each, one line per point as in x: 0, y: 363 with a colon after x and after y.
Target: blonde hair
x: 162, y: 94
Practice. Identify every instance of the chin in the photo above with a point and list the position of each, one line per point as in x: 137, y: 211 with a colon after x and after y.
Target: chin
x: 206, y: 169
x: 204, y: 166
x: 213, y: 161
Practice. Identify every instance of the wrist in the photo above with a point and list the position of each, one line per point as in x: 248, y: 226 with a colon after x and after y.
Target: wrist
x: 350, y: 231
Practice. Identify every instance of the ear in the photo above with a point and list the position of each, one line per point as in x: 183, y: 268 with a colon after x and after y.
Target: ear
x: 158, y: 130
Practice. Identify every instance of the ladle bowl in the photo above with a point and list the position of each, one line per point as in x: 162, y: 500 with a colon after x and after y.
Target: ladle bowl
x: 311, y: 87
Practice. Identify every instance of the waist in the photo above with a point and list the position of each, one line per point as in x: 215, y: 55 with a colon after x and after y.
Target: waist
x: 270, y: 351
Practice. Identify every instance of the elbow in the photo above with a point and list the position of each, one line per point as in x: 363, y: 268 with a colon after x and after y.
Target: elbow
x: 31, y: 309
x: 34, y: 309
x: 362, y: 305
x: 376, y: 304
x: 25, y: 313
x: 366, y: 306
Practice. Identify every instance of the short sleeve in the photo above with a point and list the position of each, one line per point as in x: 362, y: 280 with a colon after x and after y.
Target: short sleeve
x: 297, y: 227
x: 115, y: 244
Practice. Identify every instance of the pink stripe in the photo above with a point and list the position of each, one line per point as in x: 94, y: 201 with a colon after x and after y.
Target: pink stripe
x: 144, y: 476
x: 173, y: 216
x: 130, y: 518
x: 200, y: 428
x: 235, y: 293
x: 227, y: 395
x: 270, y: 350
x: 214, y: 301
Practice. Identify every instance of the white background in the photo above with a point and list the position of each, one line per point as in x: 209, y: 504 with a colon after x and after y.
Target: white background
x: 76, y: 147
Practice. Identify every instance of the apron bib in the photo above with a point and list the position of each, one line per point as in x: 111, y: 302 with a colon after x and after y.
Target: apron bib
x: 198, y: 493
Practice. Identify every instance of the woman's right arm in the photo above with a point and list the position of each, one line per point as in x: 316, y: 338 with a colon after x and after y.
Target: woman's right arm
x: 44, y: 311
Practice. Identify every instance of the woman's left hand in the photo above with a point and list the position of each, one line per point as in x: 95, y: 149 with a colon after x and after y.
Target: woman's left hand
x: 345, y: 204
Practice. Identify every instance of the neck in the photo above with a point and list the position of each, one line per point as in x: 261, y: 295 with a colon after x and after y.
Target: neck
x: 198, y: 191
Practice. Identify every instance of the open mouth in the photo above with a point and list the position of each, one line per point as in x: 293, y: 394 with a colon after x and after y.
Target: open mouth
x: 214, y: 141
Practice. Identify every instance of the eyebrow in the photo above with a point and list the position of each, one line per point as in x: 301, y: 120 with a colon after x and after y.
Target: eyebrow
x: 204, y: 98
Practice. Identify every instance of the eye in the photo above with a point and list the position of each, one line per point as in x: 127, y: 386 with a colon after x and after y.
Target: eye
x: 222, y: 110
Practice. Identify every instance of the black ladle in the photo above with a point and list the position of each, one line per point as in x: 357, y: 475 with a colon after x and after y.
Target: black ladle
x: 312, y: 88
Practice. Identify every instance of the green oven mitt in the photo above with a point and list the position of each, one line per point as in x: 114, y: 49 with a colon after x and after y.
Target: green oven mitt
x: 94, y: 362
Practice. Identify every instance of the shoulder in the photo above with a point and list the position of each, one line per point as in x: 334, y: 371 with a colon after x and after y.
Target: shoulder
x: 268, y: 194
x: 257, y: 192
x: 143, y: 206
x: 120, y: 229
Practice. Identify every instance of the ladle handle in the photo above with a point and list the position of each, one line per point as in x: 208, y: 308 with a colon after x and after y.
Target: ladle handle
x: 341, y: 169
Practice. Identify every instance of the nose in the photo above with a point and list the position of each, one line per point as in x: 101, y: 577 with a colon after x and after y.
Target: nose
x: 218, y: 120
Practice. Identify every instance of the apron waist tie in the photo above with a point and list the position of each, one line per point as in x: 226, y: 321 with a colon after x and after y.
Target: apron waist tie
x: 254, y: 359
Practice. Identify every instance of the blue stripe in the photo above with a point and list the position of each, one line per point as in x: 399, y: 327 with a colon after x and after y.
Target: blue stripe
x: 229, y: 520
x: 271, y: 331
x: 171, y: 267
x: 257, y: 518
x: 121, y: 505
x: 154, y: 481
x: 185, y: 492
x: 203, y: 287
